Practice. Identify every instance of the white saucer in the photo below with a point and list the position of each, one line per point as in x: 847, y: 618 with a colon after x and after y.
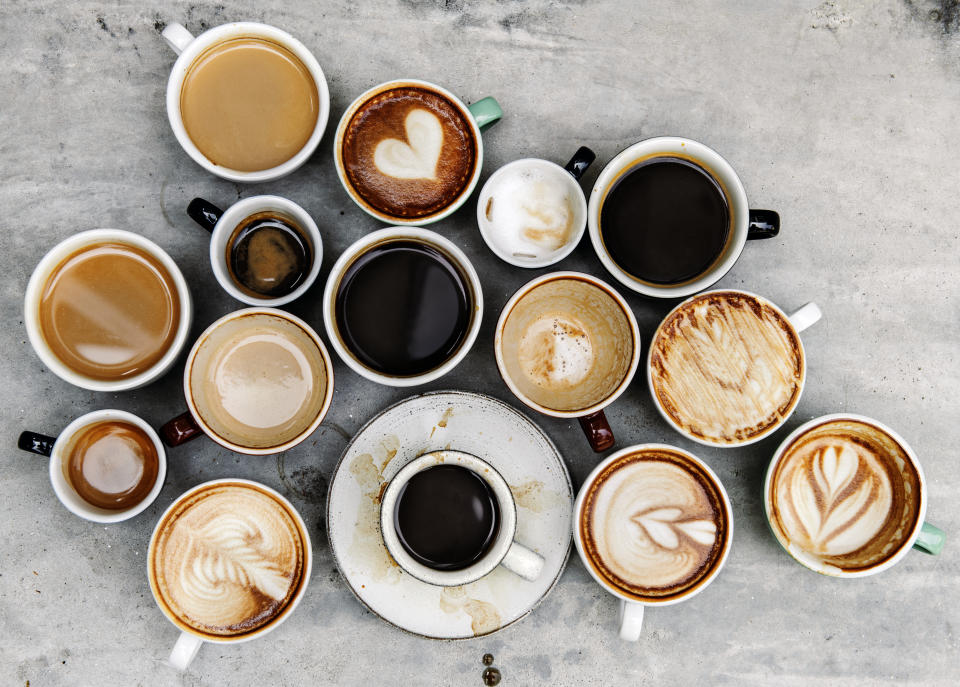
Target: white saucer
x: 489, y: 429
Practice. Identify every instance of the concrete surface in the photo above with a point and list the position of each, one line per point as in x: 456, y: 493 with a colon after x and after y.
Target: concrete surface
x: 840, y: 115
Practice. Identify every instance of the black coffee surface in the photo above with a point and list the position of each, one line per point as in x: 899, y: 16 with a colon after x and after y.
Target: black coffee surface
x: 665, y: 221
x: 403, y: 308
x: 269, y: 255
x: 447, y: 517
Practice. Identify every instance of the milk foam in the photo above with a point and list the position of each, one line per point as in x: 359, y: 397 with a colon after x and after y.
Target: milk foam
x: 556, y: 351
x: 416, y: 158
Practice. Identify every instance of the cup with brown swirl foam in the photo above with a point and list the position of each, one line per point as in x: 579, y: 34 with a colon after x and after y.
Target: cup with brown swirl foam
x: 846, y: 497
x: 653, y: 526
x: 228, y: 562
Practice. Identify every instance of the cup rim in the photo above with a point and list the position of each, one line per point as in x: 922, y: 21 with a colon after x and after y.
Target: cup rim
x: 556, y: 276
x: 238, y: 212
x: 556, y: 256
x: 241, y: 29
x: 382, y: 216
x: 769, y: 430
x: 387, y: 235
x: 724, y: 497
x: 285, y: 613
x: 53, y: 258
x: 723, y: 173
x: 265, y: 450
x: 829, y: 570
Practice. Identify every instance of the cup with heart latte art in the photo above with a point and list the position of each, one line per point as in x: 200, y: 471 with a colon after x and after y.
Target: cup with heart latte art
x: 410, y: 152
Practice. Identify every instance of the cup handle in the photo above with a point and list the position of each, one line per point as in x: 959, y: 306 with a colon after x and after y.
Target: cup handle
x: 598, y: 431
x: 177, y: 37
x: 764, y: 224
x: 522, y: 561
x: 631, y: 620
x: 184, y: 650
x: 204, y: 213
x: 580, y: 161
x: 806, y: 316
x: 40, y: 444
x: 930, y: 540
x: 180, y: 430
x: 485, y: 112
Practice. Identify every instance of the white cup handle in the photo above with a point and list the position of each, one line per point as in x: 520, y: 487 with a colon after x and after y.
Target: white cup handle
x: 177, y: 36
x: 522, y: 561
x: 631, y: 620
x: 184, y: 650
x: 805, y: 316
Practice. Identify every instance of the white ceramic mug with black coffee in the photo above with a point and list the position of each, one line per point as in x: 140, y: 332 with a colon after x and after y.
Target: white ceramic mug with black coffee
x: 669, y: 217
x: 449, y: 518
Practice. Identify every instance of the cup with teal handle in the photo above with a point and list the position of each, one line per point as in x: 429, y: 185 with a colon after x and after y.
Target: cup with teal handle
x: 846, y: 497
x: 410, y: 152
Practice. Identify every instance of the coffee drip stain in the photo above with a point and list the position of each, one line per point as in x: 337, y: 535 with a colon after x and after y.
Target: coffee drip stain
x: 532, y: 496
x: 484, y: 617
x: 368, y: 470
x: 442, y: 422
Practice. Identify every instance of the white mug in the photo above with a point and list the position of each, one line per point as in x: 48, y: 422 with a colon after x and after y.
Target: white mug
x: 503, y: 551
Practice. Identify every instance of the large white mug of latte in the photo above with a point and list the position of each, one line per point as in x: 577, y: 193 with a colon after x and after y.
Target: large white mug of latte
x: 845, y: 496
x: 653, y: 526
x: 228, y: 562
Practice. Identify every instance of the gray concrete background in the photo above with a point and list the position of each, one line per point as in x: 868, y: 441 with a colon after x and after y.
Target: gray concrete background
x: 841, y: 115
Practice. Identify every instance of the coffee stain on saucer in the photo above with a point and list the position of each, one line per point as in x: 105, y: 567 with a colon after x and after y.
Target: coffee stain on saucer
x: 533, y: 496
x: 442, y: 422
x: 484, y: 617
x: 367, y: 546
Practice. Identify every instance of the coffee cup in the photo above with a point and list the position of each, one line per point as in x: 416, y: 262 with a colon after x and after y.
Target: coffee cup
x: 258, y: 381
x: 567, y: 345
x: 228, y: 562
x: 653, y: 526
x: 531, y: 212
x: 264, y: 250
x: 105, y: 466
x: 410, y: 152
x: 668, y: 217
x: 246, y: 101
x: 845, y: 496
x: 449, y: 518
x: 384, y: 322
x: 727, y: 368
x: 107, y: 310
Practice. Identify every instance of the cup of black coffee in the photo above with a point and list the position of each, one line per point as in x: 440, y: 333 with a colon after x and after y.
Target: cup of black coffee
x: 668, y: 217
x: 448, y: 518
x: 402, y: 306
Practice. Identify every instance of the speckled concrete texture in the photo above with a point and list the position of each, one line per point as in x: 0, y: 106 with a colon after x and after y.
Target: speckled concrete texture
x: 841, y: 115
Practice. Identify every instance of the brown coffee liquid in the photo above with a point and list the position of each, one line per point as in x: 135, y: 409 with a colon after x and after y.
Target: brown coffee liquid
x: 447, y: 517
x: 109, y: 311
x: 112, y: 465
x: 665, y: 221
x: 403, y: 308
x: 249, y: 104
x: 268, y: 255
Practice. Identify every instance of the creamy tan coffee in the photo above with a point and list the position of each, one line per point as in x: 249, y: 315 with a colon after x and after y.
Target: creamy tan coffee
x: 654, y: 525
x: 727, y: 367
x: 227, y: 560
x: 844, y: 494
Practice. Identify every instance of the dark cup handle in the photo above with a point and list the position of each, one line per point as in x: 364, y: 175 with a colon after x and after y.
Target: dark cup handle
x: 764, y: 224
x: 180, y: 430
x: 598, y: 431
x: 40, y: 444
x: 204, y: 213
x: 580, y: 161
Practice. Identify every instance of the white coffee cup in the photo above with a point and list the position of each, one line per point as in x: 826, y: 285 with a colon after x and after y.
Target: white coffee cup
x: 503, y: 551
x: 38, y: 280
x: 56, y: 448
x: 189, y: 47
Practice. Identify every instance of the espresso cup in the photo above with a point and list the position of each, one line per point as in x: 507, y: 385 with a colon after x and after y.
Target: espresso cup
x: 120, y: 331
x: 410, y: 152
x: 258, y: 381
x: 845, y: 496
x: 228, y: 562
x: 381, y: 319
x: 532, y: 213
x: 191, y: 49
x: 567, y: 345
x: 737, y: 224
x: 115, y: 462
x: 223, y: 225
x: 444, y: 506
x: 727, y: 368
x: 653, y: 526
